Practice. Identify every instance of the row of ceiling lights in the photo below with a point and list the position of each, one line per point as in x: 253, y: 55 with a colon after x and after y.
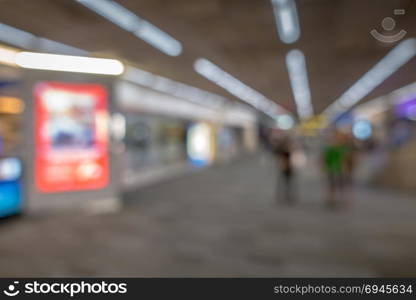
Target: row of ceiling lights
x: 84, y: 64
x: 289, y: 32
x: 288, y: 28
x: 144, y: 30
x: 286, y: 16
x: 235, y: 87
x: 162, y: 41
x: 396, y: 58
x: 141, y: 28
x: 73, y: 59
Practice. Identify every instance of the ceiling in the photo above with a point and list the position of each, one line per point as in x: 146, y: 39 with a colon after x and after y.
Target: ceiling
x: 238, y: 35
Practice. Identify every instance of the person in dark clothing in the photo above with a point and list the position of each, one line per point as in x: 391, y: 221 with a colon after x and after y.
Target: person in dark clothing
x: 283, y: 150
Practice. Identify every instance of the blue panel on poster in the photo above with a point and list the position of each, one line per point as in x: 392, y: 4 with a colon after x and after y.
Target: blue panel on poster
x: 10, y: 198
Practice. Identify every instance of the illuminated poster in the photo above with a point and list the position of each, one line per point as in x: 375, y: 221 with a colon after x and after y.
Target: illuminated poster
x: 71, y: 137
x: 200, y: 144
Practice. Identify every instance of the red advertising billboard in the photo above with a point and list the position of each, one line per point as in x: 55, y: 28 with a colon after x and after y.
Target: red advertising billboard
x: 71, y: 137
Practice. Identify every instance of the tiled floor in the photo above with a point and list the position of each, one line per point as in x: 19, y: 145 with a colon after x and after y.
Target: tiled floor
x: 223, y: 221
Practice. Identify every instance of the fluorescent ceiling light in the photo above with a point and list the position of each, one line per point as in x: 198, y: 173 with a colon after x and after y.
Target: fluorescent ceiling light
x: 26, y: 40
x: 8, y: 55
x: 127, y: 20
x: 158, y: 39
x: 16, y: 37
x: 172, y: 87
x: 287, y: 22
x: 296, y: 66
x: 235, y: 87
x: 80, y: 64
x: 389, y: 64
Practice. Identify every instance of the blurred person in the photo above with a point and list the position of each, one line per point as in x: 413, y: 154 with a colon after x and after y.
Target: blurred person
x: 350, y: 166
x: 283, y: 151
x: 335, y: 161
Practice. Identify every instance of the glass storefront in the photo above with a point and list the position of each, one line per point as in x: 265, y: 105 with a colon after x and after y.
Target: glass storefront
x: 153, y: 141
x: 230, y: 142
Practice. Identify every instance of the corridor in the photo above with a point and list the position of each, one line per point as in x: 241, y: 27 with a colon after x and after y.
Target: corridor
x: 224, y: 221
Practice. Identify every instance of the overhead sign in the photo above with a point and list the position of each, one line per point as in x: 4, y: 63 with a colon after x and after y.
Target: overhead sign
x: 71, y: 137
x: 310, y: 126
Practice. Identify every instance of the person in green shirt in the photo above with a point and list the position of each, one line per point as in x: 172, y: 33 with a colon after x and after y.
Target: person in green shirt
x: 335, y: 156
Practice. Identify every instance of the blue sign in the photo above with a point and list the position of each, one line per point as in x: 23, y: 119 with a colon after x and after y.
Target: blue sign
x: 10, y: 197
x: 10, y: 186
